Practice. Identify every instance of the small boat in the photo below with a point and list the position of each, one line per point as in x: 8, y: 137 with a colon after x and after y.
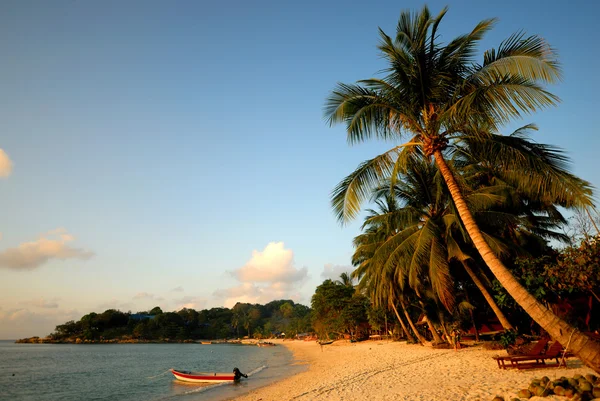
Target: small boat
x: 265, y: 344
x: 200, y: 377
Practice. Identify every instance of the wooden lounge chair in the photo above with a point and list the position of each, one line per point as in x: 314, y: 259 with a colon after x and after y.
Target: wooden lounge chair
x: 537, y: 349
x: 539, y: 361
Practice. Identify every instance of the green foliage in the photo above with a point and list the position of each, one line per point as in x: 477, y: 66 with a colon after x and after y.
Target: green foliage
x: 560, y: 280
x: 508, y: 338
x: 217, y: 323
x: 155, y: 311
x: 578, y: 268
x: 338, y: 309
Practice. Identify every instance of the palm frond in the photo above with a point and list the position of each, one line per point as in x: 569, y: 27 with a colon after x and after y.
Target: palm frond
x: 349, y: 194
x: 529, y: 57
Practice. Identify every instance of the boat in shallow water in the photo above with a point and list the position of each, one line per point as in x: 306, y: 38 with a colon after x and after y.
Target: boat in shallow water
x: 202, y: 377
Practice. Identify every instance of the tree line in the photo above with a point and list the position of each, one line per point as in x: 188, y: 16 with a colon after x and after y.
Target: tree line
x: 254, y: 320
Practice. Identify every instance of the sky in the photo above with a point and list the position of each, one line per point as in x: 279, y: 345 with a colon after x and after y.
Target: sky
x: 176, y: 153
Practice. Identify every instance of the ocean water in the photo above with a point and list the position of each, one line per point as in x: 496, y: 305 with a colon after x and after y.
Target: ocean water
x: 133, y: 372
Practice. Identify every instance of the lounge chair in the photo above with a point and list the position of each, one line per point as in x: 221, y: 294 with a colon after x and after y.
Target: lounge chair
x: 539, y: 361
x: 537, y: 349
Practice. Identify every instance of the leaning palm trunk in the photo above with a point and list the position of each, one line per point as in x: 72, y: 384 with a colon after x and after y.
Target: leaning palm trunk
x: 503, y: 320
x: 436, y: 337
x: 445, y: 330
x: 409, y: 337
x: 421, y: 339
x: 473, y: 319
x: 581, y: 345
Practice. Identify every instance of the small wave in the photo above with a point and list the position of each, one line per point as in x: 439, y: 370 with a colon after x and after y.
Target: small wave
x: 204, y: 388
x: 255, y: 371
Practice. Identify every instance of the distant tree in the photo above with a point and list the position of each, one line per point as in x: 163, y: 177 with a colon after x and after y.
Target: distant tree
x: 287, y: 310
x: 155, y: 311
x: 337, y: 309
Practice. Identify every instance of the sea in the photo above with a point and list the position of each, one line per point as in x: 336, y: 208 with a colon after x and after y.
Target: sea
x: 134, y: 372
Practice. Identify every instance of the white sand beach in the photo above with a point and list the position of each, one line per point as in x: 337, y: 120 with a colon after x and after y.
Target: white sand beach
x: 381, y: 370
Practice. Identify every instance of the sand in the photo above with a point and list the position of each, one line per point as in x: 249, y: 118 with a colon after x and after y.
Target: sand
x: 382, y: 370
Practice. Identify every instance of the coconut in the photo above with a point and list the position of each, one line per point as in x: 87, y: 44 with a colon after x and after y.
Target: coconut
x: 559, y: 390
x: 524, y: 394
x: 569, y: 393
x: 591, y: 378
x: 585, y: 386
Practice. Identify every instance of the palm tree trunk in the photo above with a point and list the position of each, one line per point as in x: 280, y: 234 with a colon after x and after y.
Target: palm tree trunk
x: 421, y: 339
x: 445, y: 330
x: 472, y: 318
x: 587, y: 350
x: 436, y: 337
x: 409, y: 337
x: 488, y: 297
x: 595, y: 295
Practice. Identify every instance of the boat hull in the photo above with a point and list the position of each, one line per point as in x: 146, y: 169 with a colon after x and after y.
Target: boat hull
x: 198, y: 377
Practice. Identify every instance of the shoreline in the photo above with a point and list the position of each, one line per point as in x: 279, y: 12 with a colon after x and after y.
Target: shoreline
x: 385, y: 370
x: 47, y: 340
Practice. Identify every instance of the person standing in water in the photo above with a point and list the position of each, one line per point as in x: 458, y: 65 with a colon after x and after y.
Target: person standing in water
x: 237, y: 375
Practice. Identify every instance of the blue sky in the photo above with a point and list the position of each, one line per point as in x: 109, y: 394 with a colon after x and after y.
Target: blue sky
x: 175, y: 153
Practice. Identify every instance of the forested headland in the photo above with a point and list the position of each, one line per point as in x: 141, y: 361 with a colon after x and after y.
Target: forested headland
x: 255, y: 320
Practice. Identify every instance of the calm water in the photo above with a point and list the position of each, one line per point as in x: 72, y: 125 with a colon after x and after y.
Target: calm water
x: 133, y: 372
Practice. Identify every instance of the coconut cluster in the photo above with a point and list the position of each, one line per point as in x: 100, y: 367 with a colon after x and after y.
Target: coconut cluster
x: 577, y: 388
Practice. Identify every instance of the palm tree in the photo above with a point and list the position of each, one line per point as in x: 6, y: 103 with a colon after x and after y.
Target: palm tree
x: 345, y: 280
x: 435, y: 94
x: 375, y: 282
x: 420, y: 192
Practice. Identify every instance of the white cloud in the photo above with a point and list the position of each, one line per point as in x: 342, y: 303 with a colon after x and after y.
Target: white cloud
x: 177, y: 289
x: 333, y: 272
x: 190, y: 302
x: 269, y: 275
x: 20, y: 323
x: 51, y: 245
x: 6, y: 165
x: 145, y: 295
x: 42, y: 303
